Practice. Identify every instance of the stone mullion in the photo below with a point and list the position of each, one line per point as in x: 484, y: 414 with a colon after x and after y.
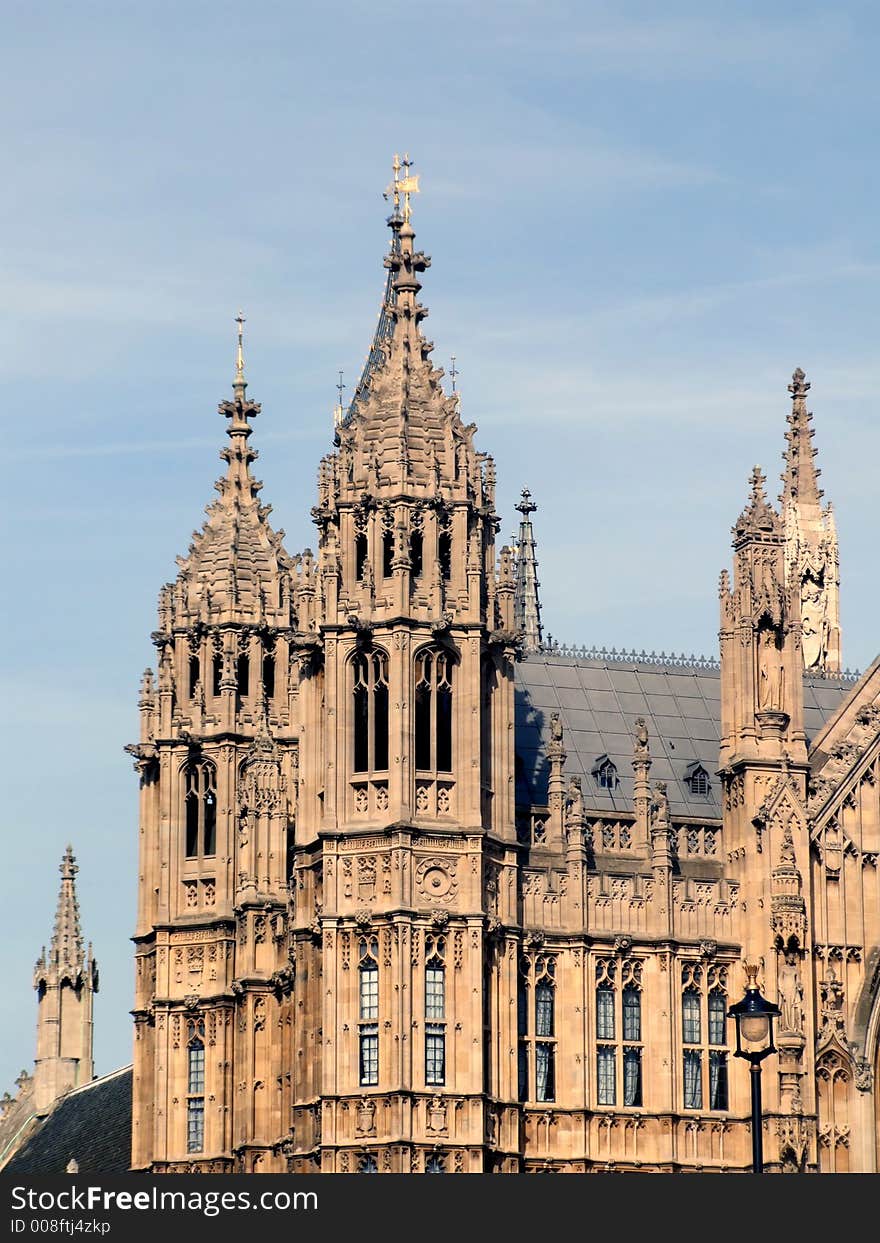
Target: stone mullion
x: 401, y: 758
x: 328, y: 1052
x: 169, y: 847
x: 466, y: 704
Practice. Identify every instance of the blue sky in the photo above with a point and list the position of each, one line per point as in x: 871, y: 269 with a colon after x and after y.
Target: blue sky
x: 642, y: 218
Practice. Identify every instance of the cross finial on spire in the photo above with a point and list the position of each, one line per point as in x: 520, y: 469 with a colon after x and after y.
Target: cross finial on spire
x: 453, y: 372
x: 338, y: 412
x: 239, y: 350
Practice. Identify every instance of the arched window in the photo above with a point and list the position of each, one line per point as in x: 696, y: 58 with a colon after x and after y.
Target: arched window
x: 435, y: 1013
x: 698, y: 780
x: 433, y: 710
x: 368, y: 1012
x: 370, y: 703
x: 537, y: 1028
x: 200, y: 802
x: 435, y: 1164
x: 195, y: 1086
x: 605, y: 772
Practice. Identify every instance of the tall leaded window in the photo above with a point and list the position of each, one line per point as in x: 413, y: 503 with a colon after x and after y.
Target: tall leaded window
x: 433, y: 710
x: 370, y: 702
x: 195, y: 1086
x: 200, y: 804
x: 537, y: 1028
x: 367, y: 1164
x: 435, y: 1164
x: 619, y: 1032
x: 243, y: 674
x: 704, y: 1036
x: 368, y: 1012
x: 435, y: 1012
x: 444, y: 552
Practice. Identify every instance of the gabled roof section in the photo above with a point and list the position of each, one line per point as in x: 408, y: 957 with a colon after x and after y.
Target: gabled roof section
x: 90, y: 1125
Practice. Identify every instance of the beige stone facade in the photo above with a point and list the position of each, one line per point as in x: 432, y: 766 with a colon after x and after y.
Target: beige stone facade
x: 397, y: 915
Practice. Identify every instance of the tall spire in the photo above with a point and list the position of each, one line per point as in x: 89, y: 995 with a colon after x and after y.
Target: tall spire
x: 65, y: 980
x: 800, y: 480
x: 811, y: 552
x: 526, y: 604
x: 233, y: 565
x: 66, y: 949
x: 400, y: 419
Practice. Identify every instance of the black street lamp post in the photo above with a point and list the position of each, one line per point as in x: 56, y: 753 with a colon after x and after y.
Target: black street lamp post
x: 754, y: 1017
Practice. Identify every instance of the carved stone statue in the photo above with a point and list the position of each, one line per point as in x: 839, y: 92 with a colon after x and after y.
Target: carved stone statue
x: 574, y: 801
x: 555, y: 727
x: 791, y: 995
x: 660, y: 807
x: 641, y: 736
x: 814, y: 624
x: 771, y: 673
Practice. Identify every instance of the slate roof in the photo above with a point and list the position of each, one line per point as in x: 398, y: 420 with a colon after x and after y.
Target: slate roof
x: 598, y: 701
x: 92, y: 1125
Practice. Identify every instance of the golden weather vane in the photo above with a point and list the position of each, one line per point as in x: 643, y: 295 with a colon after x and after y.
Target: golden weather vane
x: 405, y: 185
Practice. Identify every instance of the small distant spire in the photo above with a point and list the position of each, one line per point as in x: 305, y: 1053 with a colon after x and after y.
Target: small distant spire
x: 800, y: 480
x: 758, y: 515
x: 453, y: 372
x: 66, y: 950
x: 526, y: 603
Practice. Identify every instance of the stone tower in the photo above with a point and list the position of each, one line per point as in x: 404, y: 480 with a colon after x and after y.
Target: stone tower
x: 217, y: 763
x: 811, y: 555
x: 66, y: 981
x: 405, y: 802
x: 765, y: 772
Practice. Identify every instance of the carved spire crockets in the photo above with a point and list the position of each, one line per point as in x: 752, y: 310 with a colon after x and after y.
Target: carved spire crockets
x: 236, y: 564
x: 526, y: 603
x: 66, y: 980
x: 66, y: 959
x: 811, y: 550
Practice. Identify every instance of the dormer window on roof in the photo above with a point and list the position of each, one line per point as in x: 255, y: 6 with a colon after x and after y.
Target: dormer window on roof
x: 605, y: 773
x: 697, y: 779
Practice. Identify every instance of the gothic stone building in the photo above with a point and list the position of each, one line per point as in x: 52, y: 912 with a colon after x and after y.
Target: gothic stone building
x: 419, y: 892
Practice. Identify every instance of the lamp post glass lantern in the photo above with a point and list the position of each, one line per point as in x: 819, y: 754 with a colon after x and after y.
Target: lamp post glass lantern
x: 754, y: 1017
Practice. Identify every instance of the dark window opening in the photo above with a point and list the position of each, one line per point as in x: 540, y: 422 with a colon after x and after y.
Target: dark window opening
x: 360, y: 557
x: 423, y: 726
x: 444, y: 729
x: 242, y: 676
x: 195, y: 673
x: 200, y: 810
x: 216, y: 673
x: 699, y: 782
x: 387, y: 553
x: 370, y: 712
x: 416, y: 547
x: 269, y: 676
x: 444, y: 554
x: 192, y: 825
